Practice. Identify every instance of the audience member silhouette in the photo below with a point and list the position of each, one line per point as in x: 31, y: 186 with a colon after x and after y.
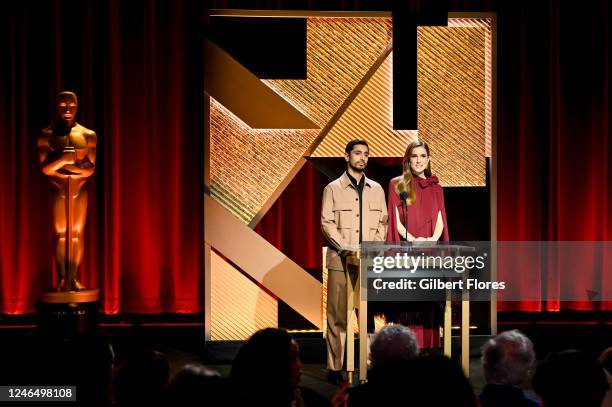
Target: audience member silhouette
x: 390, y: 351
x: 393, y: 344
x: 425, y: 381
x: 507, y: 360
x: 437, y: 381
x: 84, y: 361
x: 196, y: 385
x: 605, y: 360
x: 141, y: 379
x: 570, y: 378
x: 267, y: 371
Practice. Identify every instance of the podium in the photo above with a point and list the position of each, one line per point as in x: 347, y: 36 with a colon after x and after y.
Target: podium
x: 357, y: 290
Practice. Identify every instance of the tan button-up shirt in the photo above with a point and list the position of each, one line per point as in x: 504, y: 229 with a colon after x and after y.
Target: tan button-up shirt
x: 340, y: 217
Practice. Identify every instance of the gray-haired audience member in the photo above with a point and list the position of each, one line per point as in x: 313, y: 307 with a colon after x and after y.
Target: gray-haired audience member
x: 507, y: 360
x: 391, y: 351
x: 393, y: 344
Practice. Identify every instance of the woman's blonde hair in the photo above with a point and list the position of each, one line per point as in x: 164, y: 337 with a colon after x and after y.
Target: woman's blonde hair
x: 406, y: 183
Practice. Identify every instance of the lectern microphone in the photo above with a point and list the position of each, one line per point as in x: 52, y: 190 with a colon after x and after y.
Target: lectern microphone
x: 403, y: 197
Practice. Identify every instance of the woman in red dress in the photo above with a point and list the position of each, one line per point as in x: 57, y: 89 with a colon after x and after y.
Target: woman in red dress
x: 423, y: 205
x: 416, y: 213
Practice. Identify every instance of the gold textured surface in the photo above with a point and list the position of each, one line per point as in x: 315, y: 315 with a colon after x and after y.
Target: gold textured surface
x: 451, y: 65
x: 369, y: 116
x: 239, y: 307
x: 246, y: 165
x: 339, y: 53
x: 454, y: 102
x: 486, y: 24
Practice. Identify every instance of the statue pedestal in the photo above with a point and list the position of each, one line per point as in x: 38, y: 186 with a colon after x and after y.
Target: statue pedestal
x: 68, y: 314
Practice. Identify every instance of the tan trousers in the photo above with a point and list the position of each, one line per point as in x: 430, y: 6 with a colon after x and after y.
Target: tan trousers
x: 337, y: 315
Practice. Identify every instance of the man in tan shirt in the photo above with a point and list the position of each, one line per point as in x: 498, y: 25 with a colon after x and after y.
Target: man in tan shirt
x: 353, y: 210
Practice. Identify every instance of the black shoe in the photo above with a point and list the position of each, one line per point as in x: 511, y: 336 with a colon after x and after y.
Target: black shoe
x: 334, y: 376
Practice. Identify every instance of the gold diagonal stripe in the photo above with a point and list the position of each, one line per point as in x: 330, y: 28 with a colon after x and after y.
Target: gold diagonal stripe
x: 245, y: 95
x: 263, y: 262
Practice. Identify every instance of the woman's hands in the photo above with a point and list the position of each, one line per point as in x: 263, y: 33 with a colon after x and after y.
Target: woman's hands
x: 425, y: 239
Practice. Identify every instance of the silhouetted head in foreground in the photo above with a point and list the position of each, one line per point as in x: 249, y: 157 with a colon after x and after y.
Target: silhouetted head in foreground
x: 570, y: 378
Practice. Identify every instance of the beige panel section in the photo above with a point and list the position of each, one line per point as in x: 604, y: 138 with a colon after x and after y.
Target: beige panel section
x: 340, y: 51
x: 207, y: 290
x: 243, y: 93
x: 247, y: 165
x: 451, y: 95
x: 239, y: 307
x: 262, y: 262
x: 369, y: 116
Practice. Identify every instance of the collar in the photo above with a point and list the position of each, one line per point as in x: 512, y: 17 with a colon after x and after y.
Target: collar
x: 427, y: 182
x: 346, y: 182
x: 359, y: 184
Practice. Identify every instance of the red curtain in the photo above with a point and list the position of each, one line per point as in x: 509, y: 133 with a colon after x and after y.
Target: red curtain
x: 553, y: 130
x: 136, y: 68
x: 293, y: 223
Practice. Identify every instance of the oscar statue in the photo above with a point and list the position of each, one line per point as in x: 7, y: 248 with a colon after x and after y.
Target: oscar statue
x: 67, y: 153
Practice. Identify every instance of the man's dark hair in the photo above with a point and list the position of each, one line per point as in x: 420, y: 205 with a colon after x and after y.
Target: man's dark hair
x: 570, y: 378
x: 142, y: 376
x: 262, y: 367
x: 351, y: 144
x: 435, y: 380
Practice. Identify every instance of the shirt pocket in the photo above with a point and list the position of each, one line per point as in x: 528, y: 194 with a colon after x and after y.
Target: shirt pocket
x: 374, y: 214
x: 343, y: 216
